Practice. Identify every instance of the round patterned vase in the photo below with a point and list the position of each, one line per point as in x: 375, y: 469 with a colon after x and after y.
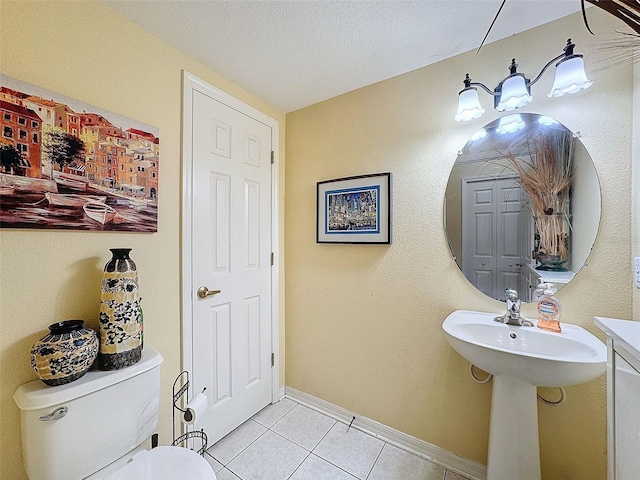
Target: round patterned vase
x: 120, y: 313
x: 65, y: 354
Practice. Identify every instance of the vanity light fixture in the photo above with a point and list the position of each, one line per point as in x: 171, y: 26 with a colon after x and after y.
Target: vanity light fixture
x: 515, y: 90
x: 510, y: 124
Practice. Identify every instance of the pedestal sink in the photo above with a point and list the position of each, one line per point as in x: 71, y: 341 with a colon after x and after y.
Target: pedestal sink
x: 520, y: 359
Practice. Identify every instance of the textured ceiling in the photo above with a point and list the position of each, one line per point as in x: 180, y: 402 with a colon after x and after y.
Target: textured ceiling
x: 296, y: 53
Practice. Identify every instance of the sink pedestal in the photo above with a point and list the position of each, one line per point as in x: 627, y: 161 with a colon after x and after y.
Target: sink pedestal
x: 514, y: 451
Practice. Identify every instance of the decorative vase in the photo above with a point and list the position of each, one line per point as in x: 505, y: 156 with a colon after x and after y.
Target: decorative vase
x: 65, y: 354
x: 120, y: 313
x: 551, y: 263
x: 552, y: 242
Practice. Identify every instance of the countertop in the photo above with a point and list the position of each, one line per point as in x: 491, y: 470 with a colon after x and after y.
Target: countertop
x: 625, y: 332
x: 557, y: 278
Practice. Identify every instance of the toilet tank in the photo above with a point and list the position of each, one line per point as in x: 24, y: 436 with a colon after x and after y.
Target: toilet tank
x: 71, y: 431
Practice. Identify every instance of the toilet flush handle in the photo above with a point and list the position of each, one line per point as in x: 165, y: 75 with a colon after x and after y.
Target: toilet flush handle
x: 57, y: 414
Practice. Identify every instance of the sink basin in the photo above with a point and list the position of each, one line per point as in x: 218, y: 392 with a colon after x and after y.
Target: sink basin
x: 521, y: 359
x: 529, y: 354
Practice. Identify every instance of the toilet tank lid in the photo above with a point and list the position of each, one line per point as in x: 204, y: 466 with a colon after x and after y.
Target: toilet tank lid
x: 36, y: 395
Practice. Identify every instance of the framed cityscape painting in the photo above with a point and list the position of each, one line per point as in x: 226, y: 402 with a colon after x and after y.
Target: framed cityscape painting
x: 65, y: 164
x: 354, y: 209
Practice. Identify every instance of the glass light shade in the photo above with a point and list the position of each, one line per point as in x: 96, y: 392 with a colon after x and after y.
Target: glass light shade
x: 510, y: 124
x: 514, y: 94
x: 479, y: 135
x: 570, y: 77
x: 468, y: 105
x: 542, y: 120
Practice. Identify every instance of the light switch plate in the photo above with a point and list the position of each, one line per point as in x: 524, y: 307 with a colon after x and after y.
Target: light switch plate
x: 636, y: 271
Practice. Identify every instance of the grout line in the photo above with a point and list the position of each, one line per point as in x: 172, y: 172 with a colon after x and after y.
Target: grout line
x: 282, y: 418
x: 376, y: 460
x: 298, y: 467
x: 336, y: 466
x: 324, y: 436
x: 311, y: 452
x: 238, y: 454
x: 290, y: 441
x: 230, y: 472
x: 267, y: 429
x: 295, y: 443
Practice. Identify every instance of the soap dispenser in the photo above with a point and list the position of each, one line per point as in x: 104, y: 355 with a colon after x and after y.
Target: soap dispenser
x: 538, y: 293
x: 549, y: 311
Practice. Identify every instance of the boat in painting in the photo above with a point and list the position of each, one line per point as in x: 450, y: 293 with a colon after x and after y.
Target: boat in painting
x: 137, y: 204
x: 68, y: 181
x: 73, y: 199
x: 7, y: 189
x: 27, y: 184
x: 100, y: 212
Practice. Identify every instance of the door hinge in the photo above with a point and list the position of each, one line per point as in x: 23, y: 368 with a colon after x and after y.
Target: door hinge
x: 273, y: 359
x: 272, y: 261
x: 272, y: 157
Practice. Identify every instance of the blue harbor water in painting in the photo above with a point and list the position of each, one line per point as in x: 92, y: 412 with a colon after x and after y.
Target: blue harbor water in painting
x: 353, y: 210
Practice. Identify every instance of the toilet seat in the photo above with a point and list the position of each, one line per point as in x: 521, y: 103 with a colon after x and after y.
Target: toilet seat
x: 165, y: 463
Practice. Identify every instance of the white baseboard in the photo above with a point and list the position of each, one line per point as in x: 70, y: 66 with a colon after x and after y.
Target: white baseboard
x: 433, y: 453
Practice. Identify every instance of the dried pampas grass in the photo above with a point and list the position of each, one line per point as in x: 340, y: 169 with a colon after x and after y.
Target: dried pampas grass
x: 546, y: 177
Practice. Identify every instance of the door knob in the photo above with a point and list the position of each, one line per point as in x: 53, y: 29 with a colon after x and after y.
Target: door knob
x: 204, y: 292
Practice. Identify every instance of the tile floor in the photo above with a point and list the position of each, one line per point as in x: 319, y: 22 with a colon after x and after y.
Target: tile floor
x: 290, y: 441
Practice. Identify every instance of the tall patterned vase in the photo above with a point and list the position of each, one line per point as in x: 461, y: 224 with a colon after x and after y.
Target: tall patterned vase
x: 120, y: 313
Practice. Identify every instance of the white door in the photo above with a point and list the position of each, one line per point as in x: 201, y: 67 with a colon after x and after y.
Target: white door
x: 478, y: 235
x: 508, y: 248
x: 525, y: 227
x: 231, y: 252
x: 490, y: 246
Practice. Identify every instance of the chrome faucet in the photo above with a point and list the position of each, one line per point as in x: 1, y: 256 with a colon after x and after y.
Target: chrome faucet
x: 512, y: 317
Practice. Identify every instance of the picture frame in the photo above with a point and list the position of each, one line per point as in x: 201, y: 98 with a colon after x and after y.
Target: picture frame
x: 354, y: 209
x: 68, y: 165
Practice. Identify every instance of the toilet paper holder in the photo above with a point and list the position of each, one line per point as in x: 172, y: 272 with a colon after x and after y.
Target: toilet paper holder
x: 188, y: 439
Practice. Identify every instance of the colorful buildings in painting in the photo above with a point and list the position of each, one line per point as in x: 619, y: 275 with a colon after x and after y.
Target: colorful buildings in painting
x: 22, y: 129
x: 121, y: 160
x: 144, y: 171
x: 53, y: 114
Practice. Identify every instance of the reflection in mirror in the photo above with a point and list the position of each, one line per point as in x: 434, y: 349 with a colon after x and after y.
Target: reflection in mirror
x: 507, y: 225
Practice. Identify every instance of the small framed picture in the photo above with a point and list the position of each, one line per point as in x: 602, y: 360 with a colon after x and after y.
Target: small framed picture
x: 354, y: 209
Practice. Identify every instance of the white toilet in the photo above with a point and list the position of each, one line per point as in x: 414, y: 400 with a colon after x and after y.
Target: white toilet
x: 94, y: 428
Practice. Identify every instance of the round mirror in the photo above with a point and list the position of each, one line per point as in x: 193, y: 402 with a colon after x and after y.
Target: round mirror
x: 522, y: 206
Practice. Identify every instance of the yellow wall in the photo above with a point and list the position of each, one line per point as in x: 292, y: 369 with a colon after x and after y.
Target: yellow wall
x: 636, y: 180
x: 85, y: 51
x: 364, y: 322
